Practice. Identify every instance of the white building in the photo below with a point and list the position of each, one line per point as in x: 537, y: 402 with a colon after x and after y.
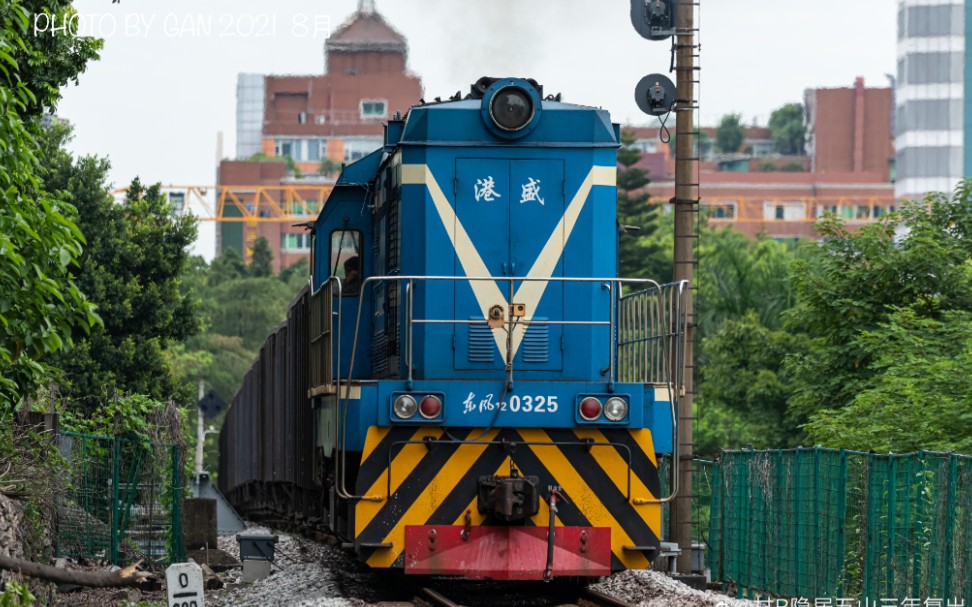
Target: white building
x: 932, y: 148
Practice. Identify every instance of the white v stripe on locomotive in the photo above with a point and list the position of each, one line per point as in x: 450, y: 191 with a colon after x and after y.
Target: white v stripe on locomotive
x: 531, y: 292
x: 489, y: 293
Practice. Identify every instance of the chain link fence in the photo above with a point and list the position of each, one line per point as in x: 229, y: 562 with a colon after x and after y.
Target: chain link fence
x: 122, y: 500
x: 826, y: 523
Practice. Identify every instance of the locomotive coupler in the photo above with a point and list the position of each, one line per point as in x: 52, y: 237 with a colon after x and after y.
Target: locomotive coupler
x: 509, y: 498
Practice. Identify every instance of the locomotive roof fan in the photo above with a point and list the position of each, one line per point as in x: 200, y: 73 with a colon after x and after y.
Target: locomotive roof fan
x: 511, y: 107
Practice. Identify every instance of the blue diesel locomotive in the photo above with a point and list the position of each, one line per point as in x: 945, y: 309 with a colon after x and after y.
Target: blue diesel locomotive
x: 467, y: 387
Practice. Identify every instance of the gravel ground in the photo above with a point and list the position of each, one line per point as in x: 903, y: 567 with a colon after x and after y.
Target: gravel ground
x: 305, y: 574
x: 315, y: 574
x: 653, y: 589
x: 320, y: 575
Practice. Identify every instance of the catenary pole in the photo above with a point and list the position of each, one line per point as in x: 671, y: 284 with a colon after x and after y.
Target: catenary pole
x: 686, y: 213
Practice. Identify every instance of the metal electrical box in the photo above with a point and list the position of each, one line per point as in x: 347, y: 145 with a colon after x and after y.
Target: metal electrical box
x: 256, y: 546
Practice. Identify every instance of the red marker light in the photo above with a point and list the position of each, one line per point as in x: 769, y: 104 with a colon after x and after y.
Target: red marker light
x: 590, y: 408
x: 430, y: 407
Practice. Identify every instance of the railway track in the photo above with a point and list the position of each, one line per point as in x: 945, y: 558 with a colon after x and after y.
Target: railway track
x: 594, y: 598
x: 466, y: 593
x: 428, y: 597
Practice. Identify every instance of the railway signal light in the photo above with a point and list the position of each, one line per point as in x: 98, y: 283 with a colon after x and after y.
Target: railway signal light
x: 654, y: 19
x: 655, y: 95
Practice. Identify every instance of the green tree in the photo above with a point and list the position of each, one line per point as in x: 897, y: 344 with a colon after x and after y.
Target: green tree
x: 729, y: 134
x: 249, y: 307
x: 226, y: 267
x: 739, y: 275
x: 296, y: 274
x: 330, y: 167
x: 40, y: 303
x: 261, y: 259
x: 219, y: 360
x: 238, y: 310
x: 746, y: 387
x: 786, y: 126
x: 136, y: 254
x: 640, y: 255
x: 852, y: 283
x: 920, y: 396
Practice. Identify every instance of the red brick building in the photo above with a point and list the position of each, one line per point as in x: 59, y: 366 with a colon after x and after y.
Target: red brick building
x: 336, y: 116
x: 848, y: 168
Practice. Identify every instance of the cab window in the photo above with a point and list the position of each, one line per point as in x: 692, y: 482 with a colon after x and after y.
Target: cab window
x: 347, y: 260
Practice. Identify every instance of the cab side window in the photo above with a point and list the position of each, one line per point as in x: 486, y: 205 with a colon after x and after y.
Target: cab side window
x: 347, y: 260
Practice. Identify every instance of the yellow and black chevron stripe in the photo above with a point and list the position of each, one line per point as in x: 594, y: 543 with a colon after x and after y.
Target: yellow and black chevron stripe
x: 429, y: 476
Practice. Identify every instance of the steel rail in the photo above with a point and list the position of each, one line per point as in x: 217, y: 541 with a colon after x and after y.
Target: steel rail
x: 437, y: 599
x: 604, y: 600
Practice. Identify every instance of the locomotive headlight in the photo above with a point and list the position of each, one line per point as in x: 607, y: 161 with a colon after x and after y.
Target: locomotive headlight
x: 590, y: 408
x: 511, y: 108
x: 615, y: 409
x: 405, y: 406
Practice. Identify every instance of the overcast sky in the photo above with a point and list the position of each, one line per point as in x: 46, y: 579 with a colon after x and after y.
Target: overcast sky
x: 166, y: 83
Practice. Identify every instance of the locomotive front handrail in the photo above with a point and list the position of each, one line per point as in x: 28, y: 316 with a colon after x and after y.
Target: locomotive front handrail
x: 669, y: 311
x: 677, y: 319
x: 568, y: 323
x: 323, y: 372
x: 329, y: 290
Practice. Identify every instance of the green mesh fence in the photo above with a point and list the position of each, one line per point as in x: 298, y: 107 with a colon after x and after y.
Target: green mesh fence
x: 703, y: 479
x: 825, y: 523
x: 122, y: 501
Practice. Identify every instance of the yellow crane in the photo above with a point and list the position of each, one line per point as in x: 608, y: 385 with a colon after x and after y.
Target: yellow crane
x: 284, y: 203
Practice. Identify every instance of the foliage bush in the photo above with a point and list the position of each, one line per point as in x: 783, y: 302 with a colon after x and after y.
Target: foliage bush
x: 889, y: 309
x: 17, y: 594
x: 40, y: 303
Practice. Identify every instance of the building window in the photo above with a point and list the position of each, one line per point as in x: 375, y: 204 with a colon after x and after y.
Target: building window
x: 761, y: 147
x: 783, y: 211
x: 373, y: 108
x: 720, y: 210
x: 285, y: 147
x: 826, y: 208
x: 934, y: 67
x: 300, y: 150
x: 296, y: 242
x: 358, y: 148
x: 882, y: 211
x: 301, y: 117
x: 928, y: 21
x: 346, y: 262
